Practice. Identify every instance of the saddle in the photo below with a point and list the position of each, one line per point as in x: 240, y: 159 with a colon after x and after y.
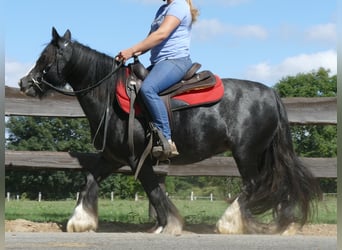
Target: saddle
x: 195, y: 89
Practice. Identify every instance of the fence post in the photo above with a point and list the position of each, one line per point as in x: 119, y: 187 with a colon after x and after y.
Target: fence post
x: 39, y: 197
x: 192, y: 196
x: 211, y: 197
x: 8, y: 196
x: 112, y: 196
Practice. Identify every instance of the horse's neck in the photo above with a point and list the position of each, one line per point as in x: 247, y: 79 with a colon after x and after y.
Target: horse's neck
x: 86, y: 67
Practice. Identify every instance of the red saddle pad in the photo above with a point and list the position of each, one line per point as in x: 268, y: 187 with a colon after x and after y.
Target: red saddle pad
x: 195, y: 97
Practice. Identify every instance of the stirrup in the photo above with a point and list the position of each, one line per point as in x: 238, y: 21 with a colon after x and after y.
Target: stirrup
x: 159, y: 153
x: 162, y: 149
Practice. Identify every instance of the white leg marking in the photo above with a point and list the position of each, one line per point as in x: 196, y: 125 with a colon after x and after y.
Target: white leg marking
x: 231, y: 221
x: 291, y: 229
x: 158, y: 230
x: 174, y: 226
x: 81, y: 221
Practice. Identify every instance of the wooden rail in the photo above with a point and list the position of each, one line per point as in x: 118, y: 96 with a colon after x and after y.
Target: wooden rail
x: 215, y: 166
x: 322, y: 110
x: 300, y: 111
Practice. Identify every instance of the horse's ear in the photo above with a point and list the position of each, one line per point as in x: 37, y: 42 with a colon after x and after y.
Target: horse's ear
x: 55, y: 35
x: 67, y: 35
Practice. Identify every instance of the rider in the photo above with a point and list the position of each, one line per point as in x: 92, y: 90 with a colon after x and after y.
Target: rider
x: 169, y: 42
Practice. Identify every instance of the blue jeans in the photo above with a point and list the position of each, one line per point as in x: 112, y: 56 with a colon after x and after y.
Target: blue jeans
x: 163, y: 75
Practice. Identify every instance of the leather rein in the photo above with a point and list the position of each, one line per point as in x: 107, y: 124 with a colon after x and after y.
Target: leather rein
x: 81, y: 91
x: 105, y: 117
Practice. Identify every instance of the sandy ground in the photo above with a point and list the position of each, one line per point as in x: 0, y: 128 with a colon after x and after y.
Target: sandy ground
x: 108, y: 227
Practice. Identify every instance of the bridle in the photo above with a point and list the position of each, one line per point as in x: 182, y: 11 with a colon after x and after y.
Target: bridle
x: 106, y: 114
x: 37, y: 83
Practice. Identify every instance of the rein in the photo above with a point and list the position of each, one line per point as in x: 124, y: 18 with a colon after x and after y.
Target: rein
x: 81, y: 91
x: 105, y: 117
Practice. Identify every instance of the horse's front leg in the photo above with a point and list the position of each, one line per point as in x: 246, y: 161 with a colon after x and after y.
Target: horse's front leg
x: 85, y: 216
x: 168, y: 218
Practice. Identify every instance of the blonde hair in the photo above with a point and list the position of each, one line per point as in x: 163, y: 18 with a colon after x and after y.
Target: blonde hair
x: 194, y: 11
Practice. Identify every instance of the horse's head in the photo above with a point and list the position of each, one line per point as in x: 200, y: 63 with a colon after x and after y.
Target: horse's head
x: 50, y: 66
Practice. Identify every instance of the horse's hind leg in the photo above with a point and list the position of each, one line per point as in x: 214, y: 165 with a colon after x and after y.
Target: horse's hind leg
x: 168, y: 219
x: 231, y: 221
x: 85, y: 216
x: 235, y: 219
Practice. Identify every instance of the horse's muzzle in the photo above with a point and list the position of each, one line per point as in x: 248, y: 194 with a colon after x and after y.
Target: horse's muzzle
x: 27, y: 87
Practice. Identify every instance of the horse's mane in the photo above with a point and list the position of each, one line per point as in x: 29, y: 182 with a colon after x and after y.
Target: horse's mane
x: 90, y: 66
x: 90, y: 63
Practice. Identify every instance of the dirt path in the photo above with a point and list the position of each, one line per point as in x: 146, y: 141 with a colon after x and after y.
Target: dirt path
x: 29, y: 226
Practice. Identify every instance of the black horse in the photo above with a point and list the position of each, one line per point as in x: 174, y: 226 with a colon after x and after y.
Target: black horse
x: 250, y: 120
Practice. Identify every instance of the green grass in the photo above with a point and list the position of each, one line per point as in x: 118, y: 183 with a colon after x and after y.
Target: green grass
x: 127, y: 211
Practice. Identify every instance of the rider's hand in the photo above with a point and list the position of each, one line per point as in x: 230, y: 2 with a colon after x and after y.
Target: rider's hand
x: 124, y: 55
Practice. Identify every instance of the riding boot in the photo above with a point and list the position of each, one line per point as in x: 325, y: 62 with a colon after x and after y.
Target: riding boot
x: 165, y: 151
x: 174, y: 151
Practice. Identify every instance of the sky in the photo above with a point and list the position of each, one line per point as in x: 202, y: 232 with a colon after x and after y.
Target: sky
x: 258, y: 40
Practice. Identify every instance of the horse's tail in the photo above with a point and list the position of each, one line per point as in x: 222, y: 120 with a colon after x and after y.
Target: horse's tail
x: 287, y: 186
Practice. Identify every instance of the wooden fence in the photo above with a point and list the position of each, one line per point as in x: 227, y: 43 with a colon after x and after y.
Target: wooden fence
x: 304, y: 111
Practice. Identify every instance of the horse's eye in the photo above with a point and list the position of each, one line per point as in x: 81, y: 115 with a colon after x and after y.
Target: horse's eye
x: 47, y: 68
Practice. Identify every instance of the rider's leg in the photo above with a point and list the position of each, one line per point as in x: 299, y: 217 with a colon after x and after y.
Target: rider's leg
x: 163, y: 75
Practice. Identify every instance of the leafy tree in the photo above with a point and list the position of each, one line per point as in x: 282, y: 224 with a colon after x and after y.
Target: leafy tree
x: 314, y: 84
x: 56, y: 134
x: 313, y: 140
x: 46, y: 134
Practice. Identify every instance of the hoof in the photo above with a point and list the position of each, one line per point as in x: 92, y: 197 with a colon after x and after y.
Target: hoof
x: 292, y: 229
x: 231, y: 221
x: 82, y: 221
x: 173, y: 227
x: 158, y: 230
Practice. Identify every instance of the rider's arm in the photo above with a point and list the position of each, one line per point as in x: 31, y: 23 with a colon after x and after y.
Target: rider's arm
x: 169, y: 24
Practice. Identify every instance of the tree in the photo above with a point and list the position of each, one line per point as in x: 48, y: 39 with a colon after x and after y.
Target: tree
x: 56, y: 134
x: 49, y: 134
x: 314, y: 84
x: 313, y: 140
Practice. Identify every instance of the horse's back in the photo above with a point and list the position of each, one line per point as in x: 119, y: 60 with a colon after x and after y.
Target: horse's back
x: 245, y: 88
x: 247, y: 111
